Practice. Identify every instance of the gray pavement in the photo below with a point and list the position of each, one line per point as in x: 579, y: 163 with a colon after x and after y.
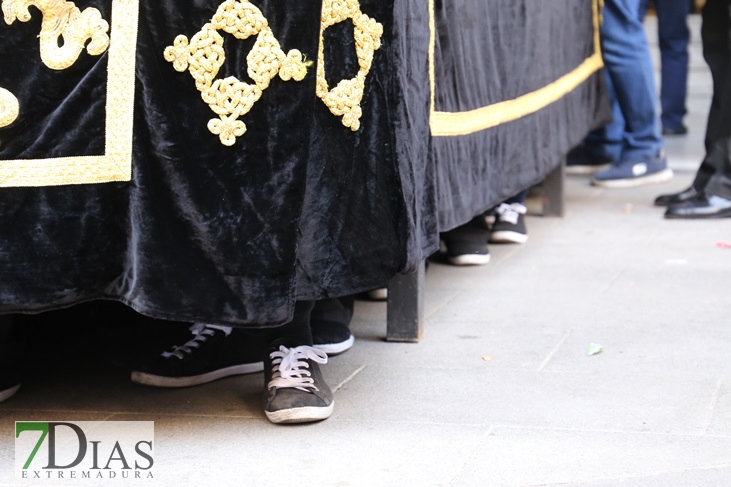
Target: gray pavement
x: 501, y: 390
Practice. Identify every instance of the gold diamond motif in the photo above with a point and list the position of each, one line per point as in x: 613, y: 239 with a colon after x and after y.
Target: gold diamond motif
x: 345, y: 98
x: 204, y: 55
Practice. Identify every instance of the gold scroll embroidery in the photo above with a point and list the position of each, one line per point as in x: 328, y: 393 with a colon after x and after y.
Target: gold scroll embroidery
x: 64, y: 31
x: 203, y: 56
x: 116, y: 162
x: 9, y: 107
x: 344, y: 100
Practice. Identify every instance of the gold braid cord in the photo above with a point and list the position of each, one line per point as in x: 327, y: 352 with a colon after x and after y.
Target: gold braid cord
x: 344, y: 100
x: 9, y: 108
x: 203, y: 56
x: 62, y: 19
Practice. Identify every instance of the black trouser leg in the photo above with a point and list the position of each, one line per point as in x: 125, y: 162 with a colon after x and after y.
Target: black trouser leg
x: 714, y: 174
x: 295, y: 333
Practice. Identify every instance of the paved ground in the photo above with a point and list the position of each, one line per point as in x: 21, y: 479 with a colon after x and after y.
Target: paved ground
x: 501, y: 391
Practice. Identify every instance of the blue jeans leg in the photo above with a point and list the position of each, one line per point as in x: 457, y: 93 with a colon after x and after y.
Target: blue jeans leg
x: 605, y: 143
x: 674, y: 37
x: 627, y: 59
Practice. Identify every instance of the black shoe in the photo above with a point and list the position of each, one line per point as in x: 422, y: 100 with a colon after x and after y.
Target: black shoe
x: 509, y: 225
x: 467, y: 244
x: 9, y: 384
x: 579, y: 161
x: 213, y: 353
x: 331, y: 337
x: 701, y: 205
x: 296, y: 391
x: 467, y: 253
x: 682, y: 130
x: 675, y: 198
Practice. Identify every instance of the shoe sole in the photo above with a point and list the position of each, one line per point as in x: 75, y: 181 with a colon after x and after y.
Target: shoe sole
x: 585, y: 170
x: 722, y: 214
x: 332, y: 349
x: 8, y: 393
x: 194, y: 380
x: 300, y: 415
x: 506, y: 236
x: 378, y: 294
x: 469, y: 259
x: 655, y: 178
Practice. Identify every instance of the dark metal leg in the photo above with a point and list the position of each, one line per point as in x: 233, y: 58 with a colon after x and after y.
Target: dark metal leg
x: 405, y: 309
x: 553, y: 192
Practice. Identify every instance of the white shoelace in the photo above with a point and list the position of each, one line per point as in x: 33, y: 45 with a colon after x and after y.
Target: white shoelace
x: 200, y: 332
x: 510, y: 212
x: 290, y: 367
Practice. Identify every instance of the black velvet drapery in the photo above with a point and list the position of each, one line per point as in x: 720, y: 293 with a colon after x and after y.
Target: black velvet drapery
x: 126, y: 174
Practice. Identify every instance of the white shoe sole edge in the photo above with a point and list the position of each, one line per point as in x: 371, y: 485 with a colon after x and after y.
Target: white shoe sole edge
x: 585, y: 170
x: 380, y: 294
x: 300, y: 415
x: 655, y: 178
x: 8, y: 393
x: 336, y: 348
x: 507, y: 236
x: 195, y: 380
x: 469, y: 259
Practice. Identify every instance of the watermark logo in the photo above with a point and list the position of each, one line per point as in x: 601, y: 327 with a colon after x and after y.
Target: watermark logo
x: 81, y: 450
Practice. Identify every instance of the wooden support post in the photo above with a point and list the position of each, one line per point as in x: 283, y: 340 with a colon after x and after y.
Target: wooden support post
x: 405, y: 309
x: 554, y: 200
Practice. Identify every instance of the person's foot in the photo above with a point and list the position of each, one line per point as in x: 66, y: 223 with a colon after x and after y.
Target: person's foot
x: 509, y: 224
x: 630, y: 173
x: 331, y: 337
x: 295, y: 389
x: 212, y: 353
x: 702, y: 205
x: 467, y: 253
x: 466, y: 245
x: 580, y: 161
x: 675, y: 198
x: 674, y: 131
x: 9, y: 384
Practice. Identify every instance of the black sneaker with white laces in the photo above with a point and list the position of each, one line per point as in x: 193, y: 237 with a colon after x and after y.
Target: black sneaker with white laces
x: 509, y: 224
x: 9, y: 384
x: 214, y: 352
x: 295, y: 389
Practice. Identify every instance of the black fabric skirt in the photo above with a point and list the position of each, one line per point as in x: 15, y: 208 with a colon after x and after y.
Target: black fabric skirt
x: 211, y: 161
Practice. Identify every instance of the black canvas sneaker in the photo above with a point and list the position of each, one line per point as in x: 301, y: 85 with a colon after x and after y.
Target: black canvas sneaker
x: 214, y: 352
x: 509, y: 224
x: 331, y: 337
x: 467, y: 244
x: 296, y: 391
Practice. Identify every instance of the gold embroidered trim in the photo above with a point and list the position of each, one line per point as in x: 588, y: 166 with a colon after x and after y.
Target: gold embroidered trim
x: 64, y: 30
x: 469, y: 122
x: 344, y: 100
x: 9, y: 108
x: 203, y: 56
x: 116, y: 163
